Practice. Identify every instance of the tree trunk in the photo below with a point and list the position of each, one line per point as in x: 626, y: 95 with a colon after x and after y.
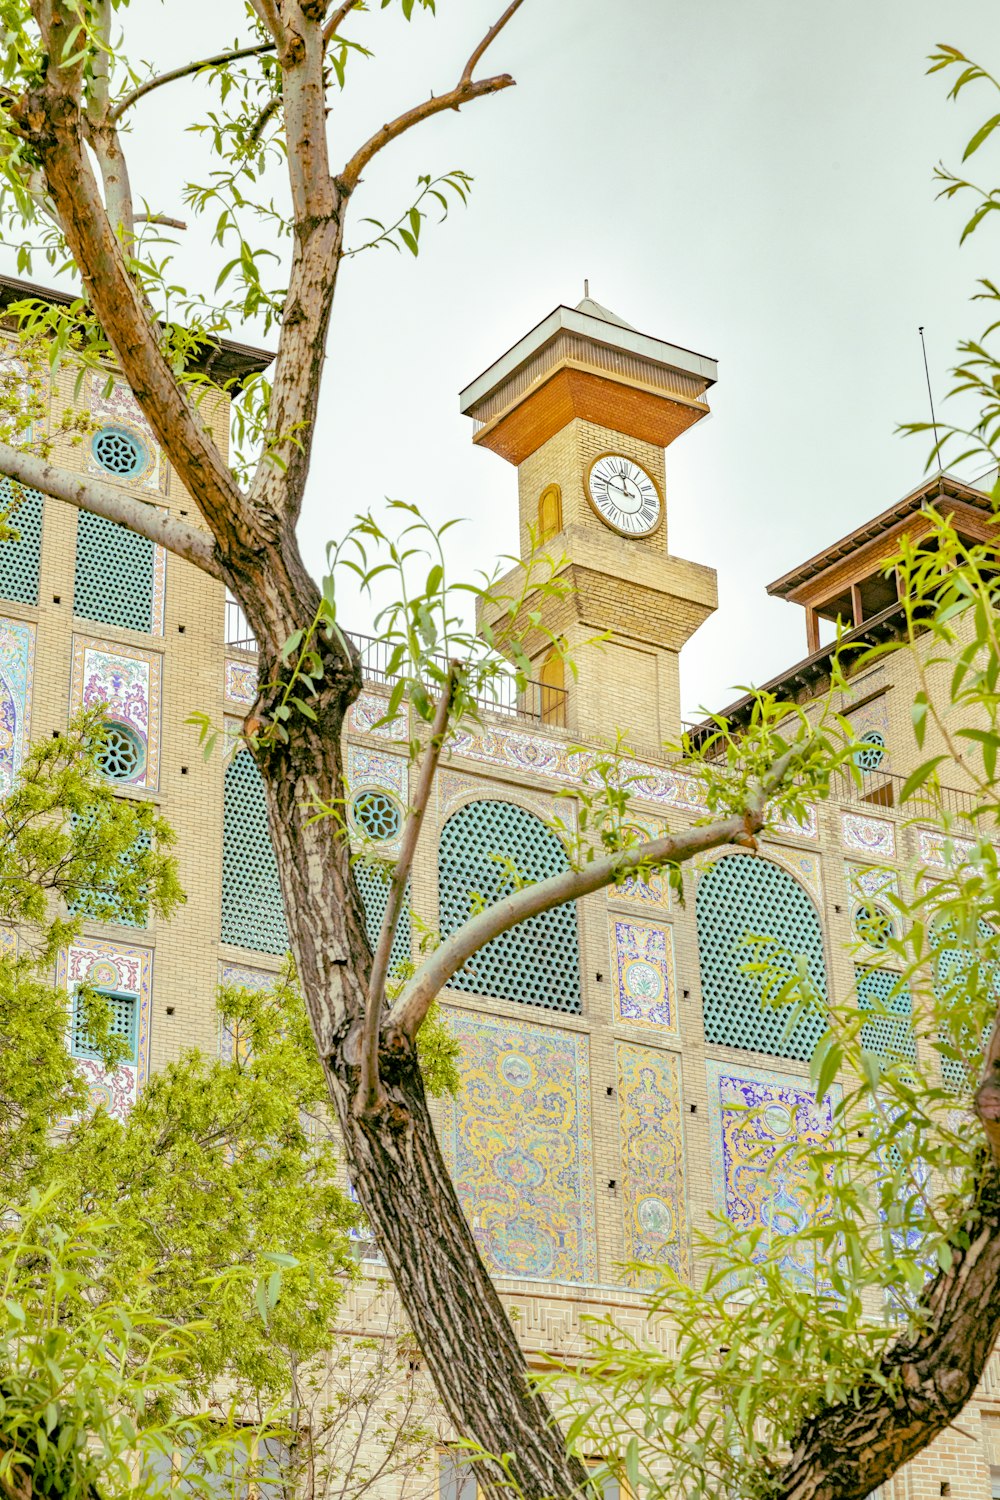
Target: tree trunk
x: 393, y: 1155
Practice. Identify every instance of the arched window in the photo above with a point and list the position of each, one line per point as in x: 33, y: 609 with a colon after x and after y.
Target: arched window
x: 485, y: 848
x: 741, y: 898
x: 553, y: 680
x: 253, y: 914
x: 550, y: 519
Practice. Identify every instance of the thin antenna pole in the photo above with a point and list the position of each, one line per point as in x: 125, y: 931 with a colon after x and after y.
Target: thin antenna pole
x: 930, y: 396
x: 586, y: 287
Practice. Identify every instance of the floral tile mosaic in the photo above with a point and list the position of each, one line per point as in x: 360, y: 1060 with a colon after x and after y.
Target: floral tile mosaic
x: 874, y: 836
x: 17, y: 661
x: 8, y: 942
x: 650, y: 891
x: 367, y: 767
x: 365, y: 713
x: 808, y: 828
x: 654, y: 1210
x: 941, y: 851
x: 752, y: 1116
x: 518, y: 1144
x: 241, y: 681
x: 871, y: 882
x: 128, y: 681
x: 642, y: 972
x: 129, y: 970
x: 119, y: 408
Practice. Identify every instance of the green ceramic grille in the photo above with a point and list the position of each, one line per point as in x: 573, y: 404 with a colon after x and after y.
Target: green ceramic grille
x: 740, y: 898
x: 872, y: 752
x: 253, y: 914
x: 953, y: 978
x: 377, y: 814
x: 19, y: 561
x: 97, y: 903
x: 123, y: 1022
x: 121, y: 754
x: 119, y: 451
x: 537, y: 963
x: 114, y: 574
x: 889, y: 1033
x: 374, y: 889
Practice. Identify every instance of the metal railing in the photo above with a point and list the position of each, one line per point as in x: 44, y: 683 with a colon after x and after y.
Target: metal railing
x: 535, y: 701
x: 882, y: 789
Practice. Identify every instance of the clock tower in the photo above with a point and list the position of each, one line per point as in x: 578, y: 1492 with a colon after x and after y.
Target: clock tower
x: 584, y: 406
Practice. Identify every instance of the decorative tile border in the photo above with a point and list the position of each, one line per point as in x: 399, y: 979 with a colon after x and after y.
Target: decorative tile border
x: 941, y: 850
x: 518, y: 1144
x: 119, y: 408
x: 654, y: 1209
x: 118, y: 967
x: 752, y: 1116
x: 240, y: 681
x: 875, y: 836
x: 231, y: 1043
x: 642, y: 972
x: 17, y: 664
x: 128, y: 681
x: 377, y: 768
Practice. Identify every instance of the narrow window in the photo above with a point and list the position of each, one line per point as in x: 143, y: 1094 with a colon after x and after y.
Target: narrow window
x: 550, y: 521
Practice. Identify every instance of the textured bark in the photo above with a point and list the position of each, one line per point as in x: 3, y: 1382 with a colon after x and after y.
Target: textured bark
x: 848, y: 1448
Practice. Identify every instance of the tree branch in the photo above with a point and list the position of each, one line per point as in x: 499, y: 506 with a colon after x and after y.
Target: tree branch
x: 444, y: 963
x: 847, y: 1448
x: 369, y: 1085
x: 464, y: 91
x: 338, y: 18
x: 217, y: 61
x: 106, y: 500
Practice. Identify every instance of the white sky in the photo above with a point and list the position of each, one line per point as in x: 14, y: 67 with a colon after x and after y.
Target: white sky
x: 748, y: 178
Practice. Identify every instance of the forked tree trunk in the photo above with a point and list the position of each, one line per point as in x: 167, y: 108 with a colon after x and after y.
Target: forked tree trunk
x: 393, y: 1155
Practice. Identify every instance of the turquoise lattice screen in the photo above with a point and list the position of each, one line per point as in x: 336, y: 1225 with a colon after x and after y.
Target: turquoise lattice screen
x: 123, y: 1022
x: 19, y: 561
x: 98, y: 903
x: 114, y: 574
x: 740, y: 898
x: 374, y: 889
x: 959, y: 970
x: 888, y: 1033
x: 537, y: 963
x: 253, y: 914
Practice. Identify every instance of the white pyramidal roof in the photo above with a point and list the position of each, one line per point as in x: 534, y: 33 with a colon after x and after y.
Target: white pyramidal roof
x: 590, y: 320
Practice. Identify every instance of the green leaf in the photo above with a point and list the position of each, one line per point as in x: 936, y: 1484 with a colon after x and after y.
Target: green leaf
x: 916, y: 778
x: 982, y: 134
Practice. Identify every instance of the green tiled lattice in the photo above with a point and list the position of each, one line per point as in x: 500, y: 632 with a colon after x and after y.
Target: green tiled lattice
x: 953, y: 980
x: 124, y: 1015
x: 538, y: 962
x: 374, y: 889
x: 741, y: 898
x: 253, y: 914
x: 888, y: 1032
x: 19, y: 561
x: 96, y: 902
x: 114, y: 574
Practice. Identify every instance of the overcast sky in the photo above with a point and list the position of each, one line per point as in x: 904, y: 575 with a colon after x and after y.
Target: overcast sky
x: 749, y: 178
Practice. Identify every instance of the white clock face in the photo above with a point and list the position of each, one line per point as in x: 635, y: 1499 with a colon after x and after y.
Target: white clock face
x: 623, y: 495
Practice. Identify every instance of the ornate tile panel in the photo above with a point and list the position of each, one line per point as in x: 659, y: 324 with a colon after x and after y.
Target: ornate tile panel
x: 17, y: 660
x: 128, y: 681
x: 752, y: 1115
x: 231, y: 1042
x: 807, y: 829
x: 367, y: 767
x: 113, y: 966
x: 652, y: 1143
x: 941, y: 851
x: 365, y: 713
x: 119, y: 408
x: 870, y: 881
x: 519, y: 1147
x: 874, y: 836
x: 241, y: 680
x: 642, y: 972
x: 8, y: 942
x: 650, y: 892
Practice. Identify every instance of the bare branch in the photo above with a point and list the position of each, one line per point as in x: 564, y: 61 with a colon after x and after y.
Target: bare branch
x: 106, y: 500
x: 465, y: 90
x: 219, y: 60
x: 490, y: 36
x: 164, y: 219
x: 270, y: 16
x: 369, y: 1086
x: 337, y: 20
